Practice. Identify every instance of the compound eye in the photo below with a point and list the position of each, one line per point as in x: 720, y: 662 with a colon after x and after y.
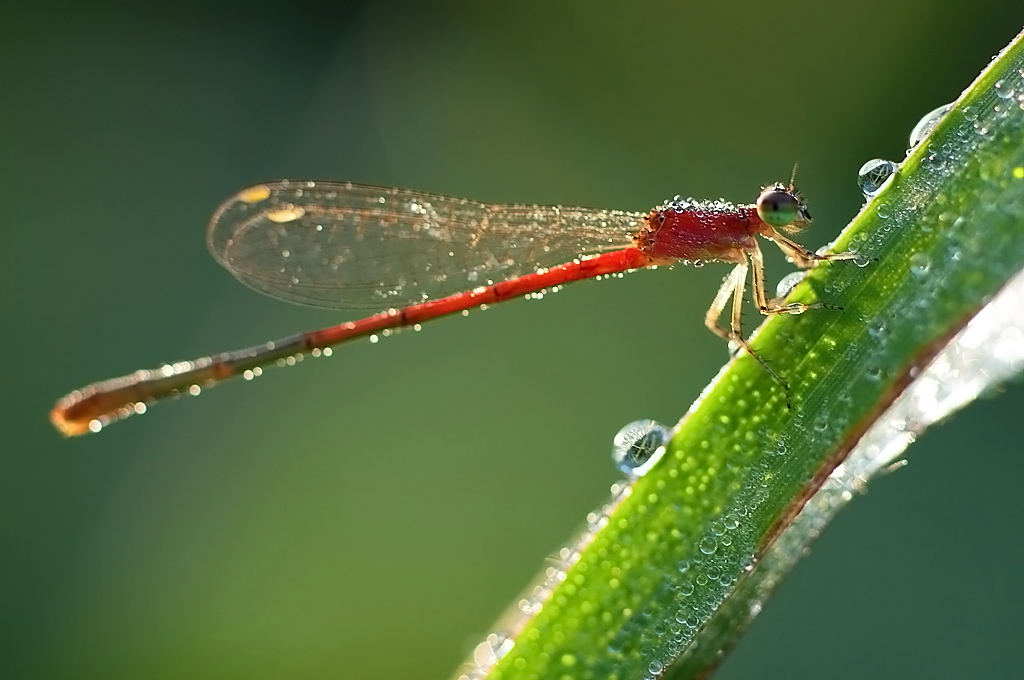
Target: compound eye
x: 777, y: 207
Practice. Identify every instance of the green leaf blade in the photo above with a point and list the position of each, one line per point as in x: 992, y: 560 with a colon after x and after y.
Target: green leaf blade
x: 674, y: 569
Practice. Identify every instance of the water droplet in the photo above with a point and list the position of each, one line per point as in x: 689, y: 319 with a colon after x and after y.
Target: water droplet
x: 708, y: 545
x: 934, y: 162
x: 970, y: 113
x: 954, y: 245
x: 919, y: 264
x: 883, y: 210
x: 874, y: 174
x: 1004, y: 90
x: 861, y: 260
x: 928, y: 123
x: 639, y: 445
x: 789, y: 282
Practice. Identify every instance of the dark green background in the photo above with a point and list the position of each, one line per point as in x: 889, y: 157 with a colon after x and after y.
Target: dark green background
x: 369, y: 516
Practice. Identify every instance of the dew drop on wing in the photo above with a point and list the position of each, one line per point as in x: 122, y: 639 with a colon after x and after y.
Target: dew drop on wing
x: 638, y: 446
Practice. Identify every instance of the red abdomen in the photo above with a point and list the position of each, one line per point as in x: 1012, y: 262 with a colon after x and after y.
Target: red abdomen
x: 692, y: 230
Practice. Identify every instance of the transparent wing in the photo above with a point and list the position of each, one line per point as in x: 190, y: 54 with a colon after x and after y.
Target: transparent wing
x: 348, y: 246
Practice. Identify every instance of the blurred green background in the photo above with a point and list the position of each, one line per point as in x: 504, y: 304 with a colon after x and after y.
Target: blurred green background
x: 370, y: 516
